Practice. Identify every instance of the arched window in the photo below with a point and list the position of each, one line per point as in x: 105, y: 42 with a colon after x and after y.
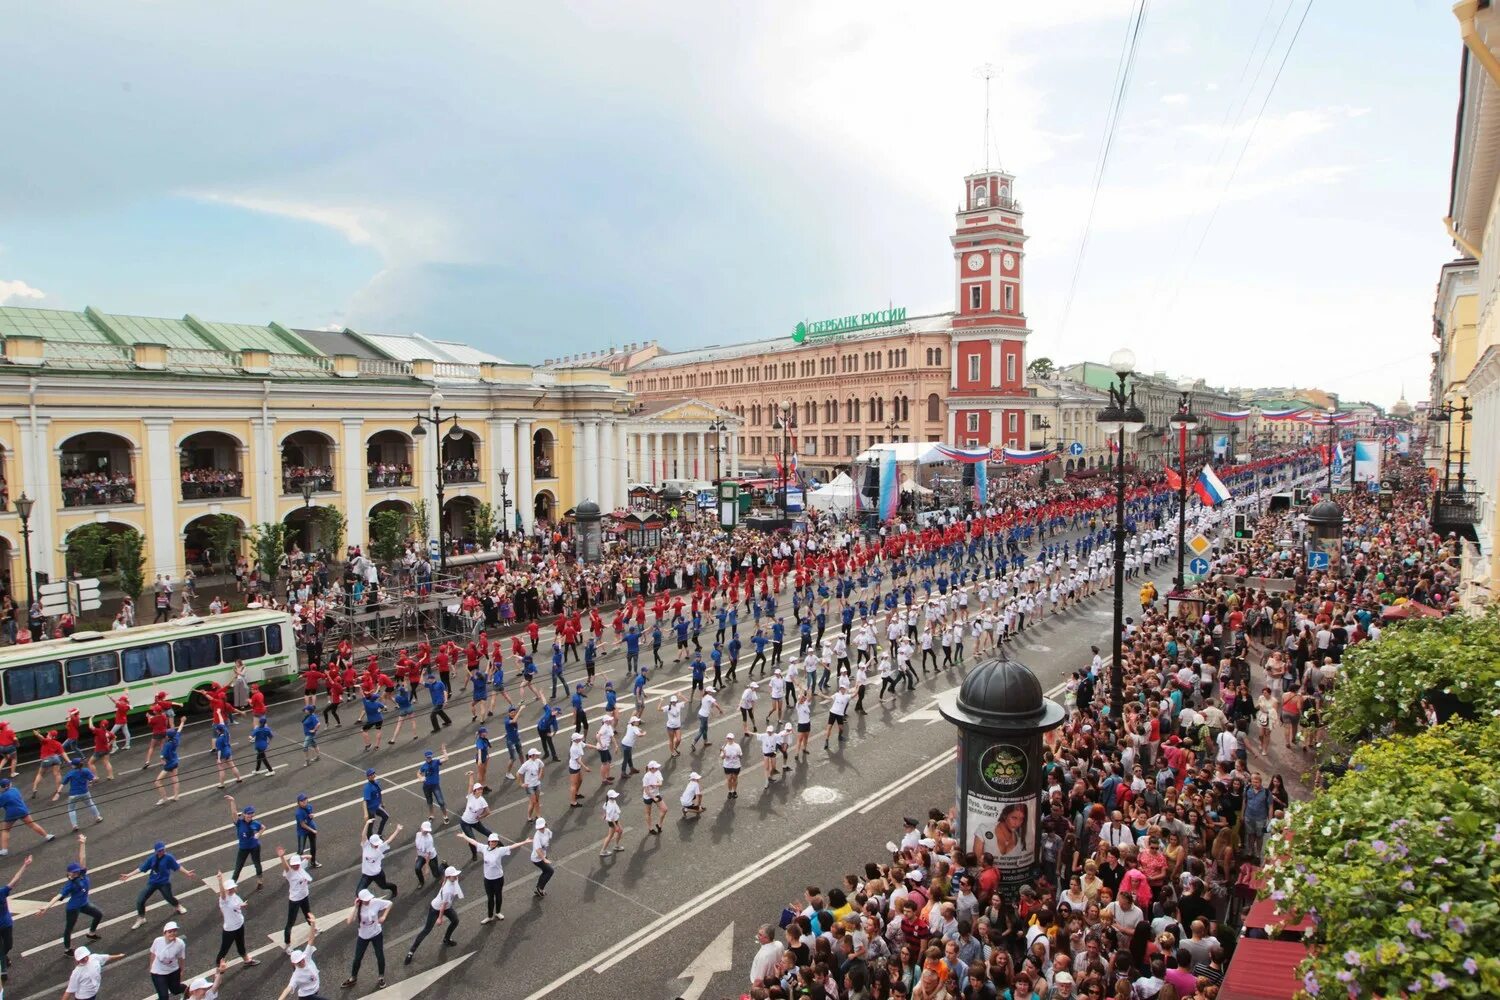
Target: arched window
x: 981, y: 195
x: 934, y: 408
x: 938, y: 354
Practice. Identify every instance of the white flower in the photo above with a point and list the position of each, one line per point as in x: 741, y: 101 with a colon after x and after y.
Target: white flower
x: 1328, y: 831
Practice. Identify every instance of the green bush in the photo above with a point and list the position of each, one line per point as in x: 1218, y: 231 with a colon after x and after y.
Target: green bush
x: 1384, y: 682
x: 1398, y: 864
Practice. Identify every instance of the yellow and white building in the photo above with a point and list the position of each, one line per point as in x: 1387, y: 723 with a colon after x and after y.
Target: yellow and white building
x: 157, y: 423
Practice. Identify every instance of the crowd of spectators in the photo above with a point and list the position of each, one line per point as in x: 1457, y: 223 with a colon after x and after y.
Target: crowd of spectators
x: 204, y: 484
x: 460, y: 470
x: 88, y: 489
x: 294, y: 476
x: 389, y: 474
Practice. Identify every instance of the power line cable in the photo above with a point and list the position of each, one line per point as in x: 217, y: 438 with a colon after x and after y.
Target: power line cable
x: 1123, y: 73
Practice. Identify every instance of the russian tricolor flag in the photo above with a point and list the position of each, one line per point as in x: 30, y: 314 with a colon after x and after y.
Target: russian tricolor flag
x: 1210, y: 489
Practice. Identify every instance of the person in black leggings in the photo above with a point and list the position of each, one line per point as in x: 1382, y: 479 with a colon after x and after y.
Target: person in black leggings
x: 7, y: 940
x: 369, y: 913
x: 444, y: 904
x: 233, y: 934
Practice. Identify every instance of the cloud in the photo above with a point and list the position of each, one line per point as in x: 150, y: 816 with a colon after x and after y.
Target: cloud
x: 398, y: 232
x: 1174, y: 98
x: 16, y: 291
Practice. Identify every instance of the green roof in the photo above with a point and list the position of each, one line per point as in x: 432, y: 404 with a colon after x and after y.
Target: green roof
x: 52, y: 325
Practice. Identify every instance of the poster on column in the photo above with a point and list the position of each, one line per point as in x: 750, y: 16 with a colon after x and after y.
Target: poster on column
x: 1001, y: 807
x: 1367, y: 461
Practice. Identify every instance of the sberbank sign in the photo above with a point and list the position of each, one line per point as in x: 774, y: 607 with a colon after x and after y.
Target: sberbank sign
x: 848, y: 324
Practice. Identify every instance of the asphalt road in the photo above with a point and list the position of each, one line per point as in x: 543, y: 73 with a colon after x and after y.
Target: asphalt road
x: 630, y: 922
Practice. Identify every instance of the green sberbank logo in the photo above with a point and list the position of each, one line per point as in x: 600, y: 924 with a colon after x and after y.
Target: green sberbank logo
x: 847, y: 324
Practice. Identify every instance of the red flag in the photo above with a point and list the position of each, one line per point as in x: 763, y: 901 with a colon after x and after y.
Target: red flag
x: 1173, y: 479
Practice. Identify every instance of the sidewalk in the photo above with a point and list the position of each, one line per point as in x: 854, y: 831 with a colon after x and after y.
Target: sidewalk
x: 1292, y: 764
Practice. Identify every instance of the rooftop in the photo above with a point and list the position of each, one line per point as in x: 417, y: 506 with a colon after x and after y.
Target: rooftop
x: 933, y: 323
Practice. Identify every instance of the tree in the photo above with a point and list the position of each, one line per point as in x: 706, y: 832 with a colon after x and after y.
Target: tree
x: 389, y: 531
x: 1041, y: 368
x: 1453, y: 662
x: 223, y: 531
x: 130, y: 561
x: 269, y: 541
x: 90, y: 548
x: 1396, y: 865
x: 421, y: 521
x: 482, y: 524
x: 331, y: 528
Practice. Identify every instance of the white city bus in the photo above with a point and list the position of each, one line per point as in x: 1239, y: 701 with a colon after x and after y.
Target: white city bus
x: 40, y: 681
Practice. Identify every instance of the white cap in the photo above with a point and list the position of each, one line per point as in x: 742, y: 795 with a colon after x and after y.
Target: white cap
x: 477, y: 787
x: 494, y: 838
x: 672, y: 700
x: 652, y: 765
x: 230, y: 883
x: 199, y: 984
x: 577, y: 737
x: 635, y: 718
x: 728, y: 737
x: 695, y: 776
x: 366, y: 896
x: 755, y: 685
x: 450, y: 872
x: 375, y: 840
x: 612, y: 794
x: 80, y: 953
x: 295, y: 860
x: 297, y: 957
x: 541, y: 824
x: 708, y: 690
x: 170, y: 925
x: 426, y: 827
x: 776, y: 672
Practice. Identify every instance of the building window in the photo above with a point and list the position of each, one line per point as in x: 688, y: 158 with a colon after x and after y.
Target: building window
x: 1010, y: 422
x: 1010, y: 297
x: 971, y: 423
x: 1010, y: 368
x: 974, y: 368
x: 938, y: 353
x: 976, y: 296
x: 934, y: 408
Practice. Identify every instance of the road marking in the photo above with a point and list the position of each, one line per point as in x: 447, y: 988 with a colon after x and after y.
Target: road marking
x: 717, y: 957
x: 299, y: 930
x: 408, y: 988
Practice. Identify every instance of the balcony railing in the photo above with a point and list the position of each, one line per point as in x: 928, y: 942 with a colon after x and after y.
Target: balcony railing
x: 384, y: 477
x: 541, y: 468
x: 466, y: 473
x: 293, y: 480
x: 212, y: 484
x: 97, y: 490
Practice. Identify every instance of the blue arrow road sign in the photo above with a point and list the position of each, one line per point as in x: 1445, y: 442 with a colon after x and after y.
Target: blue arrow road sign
x: 1317, y: 560
x: 1076, y: 448
x: 1198, y: 566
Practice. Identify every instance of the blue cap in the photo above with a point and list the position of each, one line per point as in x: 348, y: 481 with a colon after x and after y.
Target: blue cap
x: 159, y: 846
x: 484, y: 729
x: 427, y: 754
x: 74, y: 868
x: 309, y: 708
x: 248, y: 810
x: 76, y: 761
x: 609, y: 684
x: 369, y: 772
x: 301, y: 796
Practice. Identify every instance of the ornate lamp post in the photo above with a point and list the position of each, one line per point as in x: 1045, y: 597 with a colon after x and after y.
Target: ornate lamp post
x: 1183, y: 420
x: 437, y: 421
x: 717, y: 429
x: 504, y: 505
x: 785, y: 420
x: 23, y: 508
x: 1120, y: 417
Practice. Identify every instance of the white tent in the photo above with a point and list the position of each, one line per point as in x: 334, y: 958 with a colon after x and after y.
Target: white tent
x: 834, y: 497
x: 908, y: 485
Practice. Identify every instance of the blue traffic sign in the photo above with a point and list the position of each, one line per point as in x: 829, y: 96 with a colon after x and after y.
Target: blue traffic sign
x: 1317, y: 560
x: 1198, y: 566
x: 1076, y: 448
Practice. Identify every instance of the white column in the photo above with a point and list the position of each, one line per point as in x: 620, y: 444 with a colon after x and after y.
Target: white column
x: 594, y: 463
x: 733, y: 465
x: 657, y: 468
x: 704, y: 472
x: 39, y: 470
x: 266, y: 486
x: 160, y: 461
x: 429, y: 448
x: 353, y: 478
x: 523, y: 462
x: 682, y: 466
x: 503, y: 450
x: 622, y: 465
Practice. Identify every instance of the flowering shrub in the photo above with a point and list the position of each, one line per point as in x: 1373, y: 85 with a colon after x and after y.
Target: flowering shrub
x: 1398, y: 866
x: 1384, y: 682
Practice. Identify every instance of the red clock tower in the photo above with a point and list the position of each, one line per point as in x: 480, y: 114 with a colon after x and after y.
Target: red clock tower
x: 987, y: 395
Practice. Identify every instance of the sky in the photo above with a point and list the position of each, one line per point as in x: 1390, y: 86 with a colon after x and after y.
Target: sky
x: 543, y: 179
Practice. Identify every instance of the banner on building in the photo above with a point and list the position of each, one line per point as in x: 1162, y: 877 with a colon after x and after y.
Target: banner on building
x: 1221, y: 446
x: 890, y: 495
x: 1403, y: 443
x: 1367, y: 461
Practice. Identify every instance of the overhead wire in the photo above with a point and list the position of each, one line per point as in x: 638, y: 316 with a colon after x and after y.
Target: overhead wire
x: 1123, y: 73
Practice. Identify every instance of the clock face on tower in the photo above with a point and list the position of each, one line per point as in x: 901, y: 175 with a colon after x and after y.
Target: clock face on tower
x: 1008, y: 262
x: 976, y: 261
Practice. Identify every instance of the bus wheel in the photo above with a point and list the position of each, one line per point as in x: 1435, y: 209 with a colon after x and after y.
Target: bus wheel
x: 198, y: 701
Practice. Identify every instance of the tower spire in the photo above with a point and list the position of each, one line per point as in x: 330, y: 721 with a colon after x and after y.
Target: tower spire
x: 988, y: 71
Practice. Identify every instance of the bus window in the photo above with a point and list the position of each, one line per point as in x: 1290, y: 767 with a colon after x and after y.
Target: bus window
x: 273, y: 638
x: 244, y: 644
x: 33, y: 682
x: 142, y: 662
x: 89, y: 673
x: 195, y: 653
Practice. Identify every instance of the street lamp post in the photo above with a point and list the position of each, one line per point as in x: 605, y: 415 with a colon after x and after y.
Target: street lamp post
x: 1332, y: 443
x: 23, y: 508
x: 1119, y: 418
x: 1465, y: 414
x: 436, y: 420
x: 717, y: 429
x: 504, y: 505
x: 785, y: 419
x: 1183, y: 420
